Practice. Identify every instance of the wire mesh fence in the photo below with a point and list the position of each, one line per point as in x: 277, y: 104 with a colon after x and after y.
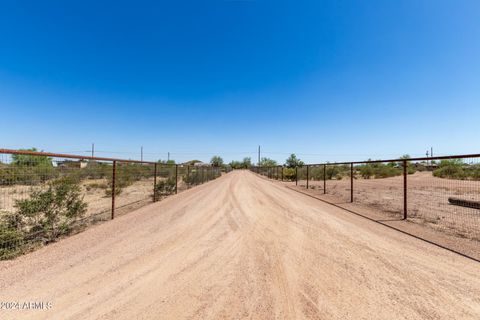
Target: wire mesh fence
x: 445, y: 195
x: 46, y: 196
x: 441, y: 193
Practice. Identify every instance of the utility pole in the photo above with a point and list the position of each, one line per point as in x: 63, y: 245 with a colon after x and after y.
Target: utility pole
x: 258, y: 155
x: 431, y: 152
x: 141, y: 153
x: 93, y: 149
x: 168, y: 156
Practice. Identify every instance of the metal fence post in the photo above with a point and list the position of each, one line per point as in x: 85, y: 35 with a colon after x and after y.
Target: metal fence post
x: 188, y: 175
x: 155, y: 183
x: 296, y: 176
x: 281, y: 168
x: 307, y: 175
x: 324, y: 179
x: 405, y: 164
x: 113, y: 187
x: 351, y: 182
x: 176, y: 178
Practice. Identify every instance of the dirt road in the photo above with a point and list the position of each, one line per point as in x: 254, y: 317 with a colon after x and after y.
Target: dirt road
x: 242, y: 247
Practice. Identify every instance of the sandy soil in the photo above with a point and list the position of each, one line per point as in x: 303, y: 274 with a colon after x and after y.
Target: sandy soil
x: 242, y: 247
x: 427, y: 200
x: 93, y: 196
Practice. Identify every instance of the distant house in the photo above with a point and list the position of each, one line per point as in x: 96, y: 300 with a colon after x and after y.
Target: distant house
x: 79, y: 164
x: 202, y: 164
x: 427, y: 165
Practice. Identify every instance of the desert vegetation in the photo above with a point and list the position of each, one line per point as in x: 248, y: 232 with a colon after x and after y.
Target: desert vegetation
x: 246, y: 163
x: 457, y: 169
x: 42, y: 199
x: 45, y: 214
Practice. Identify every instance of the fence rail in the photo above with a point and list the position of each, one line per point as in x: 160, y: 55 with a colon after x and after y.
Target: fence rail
x: 441, y: 193
x: 44, y: 196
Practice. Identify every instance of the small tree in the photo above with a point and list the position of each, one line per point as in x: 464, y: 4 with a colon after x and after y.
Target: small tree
x: 247, y: 162
x: 170, y: 162
x: 266, y: 162
x: 216, y: 161
x: 29, y: 160
x: 293, y: 161
x: 410, y: 168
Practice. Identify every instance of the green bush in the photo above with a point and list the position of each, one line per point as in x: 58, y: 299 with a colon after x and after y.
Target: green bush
x: 193, y: 177
x: 474, y: 172
x: 451, y: 169
x: 11, y: 242
x: 199, y: 175
x: 366, y: 171
x: 380, y: 170
x: 289, y: 174
x: 165, y: 188
x: 51, y: 212
x: 27, y: 169
x: 26, y: 175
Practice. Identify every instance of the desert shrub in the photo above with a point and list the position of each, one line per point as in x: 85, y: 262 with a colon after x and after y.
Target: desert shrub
x: 165, y: 171
x: 195, y: 176
x: 126, y: 174
x: 420, y: 167
x: 412, y: 169
x: 379, y: 170
x: 451, y: 169
x: 267, y: 162
x: 11, y: 242
x: 387, y: 171
x: 51, y: 212
x: 29, y: 160
x: 96, y: 185
x: 366, y: 171
x: 331, y: 172
x: 27, y: 169
x: 165, y: 188
x: 457, y: 169
x: 474, y: 172
x: 198, y: 175
x: 316, y: 172
x: 93, y: 170
x: 337, y: 171
x: 289, y: 173
x: 302, y: 172
x: 26, y: 175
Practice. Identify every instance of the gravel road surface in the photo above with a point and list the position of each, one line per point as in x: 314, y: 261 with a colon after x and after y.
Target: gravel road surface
x: 242, y: 247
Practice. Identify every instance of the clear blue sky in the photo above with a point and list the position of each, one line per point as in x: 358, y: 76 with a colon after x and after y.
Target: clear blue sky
x: 328, y: 80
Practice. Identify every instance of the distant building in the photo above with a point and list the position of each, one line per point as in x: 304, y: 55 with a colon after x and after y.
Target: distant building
x: 202, y: 164
x: 79, y: 164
